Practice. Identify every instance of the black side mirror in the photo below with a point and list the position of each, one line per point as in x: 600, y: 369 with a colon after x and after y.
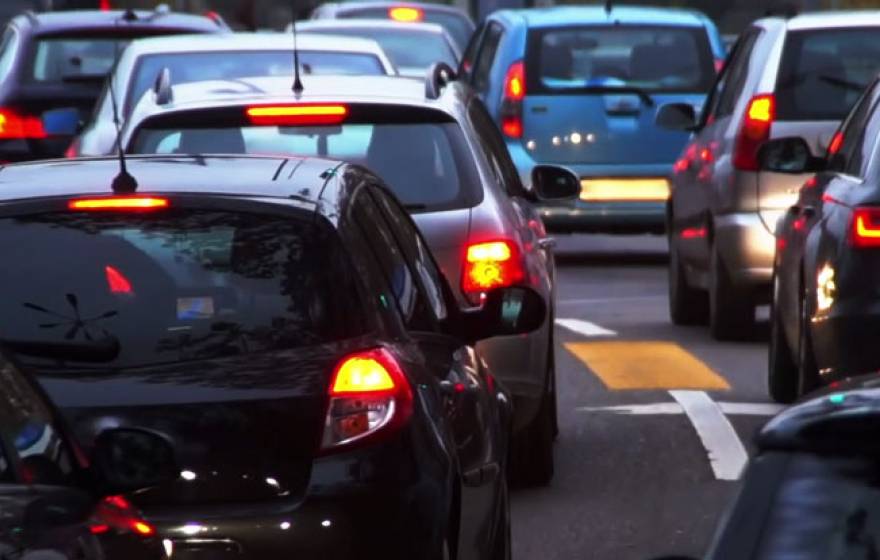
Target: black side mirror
x: 129, y: 459
x: 553, y: 182
x: 788, y: 155
x: 677, y: 116
x: 505, y: 312
x: 61, y: 122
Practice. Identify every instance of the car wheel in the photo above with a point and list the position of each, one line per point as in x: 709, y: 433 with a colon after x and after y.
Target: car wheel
x: 782, y: 373
x: 808, y: 371
x: 501, y: 548
x: 731, y: 310
x: 531, y: 454
x: 687, y: 305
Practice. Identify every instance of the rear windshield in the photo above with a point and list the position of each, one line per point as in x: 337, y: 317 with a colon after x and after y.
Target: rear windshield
x: 175, y: 285
x: 459, y: 27
x: 427, y: 164
x: 405, y: 48
x: 196, y: 67
x: 58, y: 59
x: 572, y: 59
x: 823, y: 72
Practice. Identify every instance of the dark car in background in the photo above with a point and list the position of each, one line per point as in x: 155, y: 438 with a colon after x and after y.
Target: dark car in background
x: 59, y: 60
x: 455, y: 21
x: 57, y: 502
x: 282, y: 322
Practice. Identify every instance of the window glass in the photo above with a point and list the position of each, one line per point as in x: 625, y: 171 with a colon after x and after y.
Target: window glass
x: 195, y: 67
x: 824, y: 71
x: 494, y: 148
x: 470, y: 53
x: 410, y: 301
x: 486, y: 56
x: 62, y: 59
x: 852, y: 134
x: 8, y: 49
x: 572, y: 59
x: 736, y: 75
x: 416, y: 250
x: 427, y: 165
x: 176, y: 285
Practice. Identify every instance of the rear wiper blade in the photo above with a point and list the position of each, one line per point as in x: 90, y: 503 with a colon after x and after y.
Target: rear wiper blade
x: 643, y: 95
x: 840, y: 82
x: 102, y: 350
x: 84, y: 78
x: 415, y: 207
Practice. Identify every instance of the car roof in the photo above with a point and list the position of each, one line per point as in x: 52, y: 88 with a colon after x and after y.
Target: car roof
x: 596, y: 15
x: 261, y: 41
x: 358, y: 6
x: 829, y: 20
x: 421, y: 27
x: 302, y: 180
x: 67, y: 21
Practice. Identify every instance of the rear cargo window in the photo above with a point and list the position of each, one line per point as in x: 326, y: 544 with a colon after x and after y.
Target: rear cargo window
x: 175, y: 285
x: 457, y: 26
x: 823, y: 72
x: 408, y: 49
x: 428, y: 165
x: 73, y: 58
x: 573, y: 59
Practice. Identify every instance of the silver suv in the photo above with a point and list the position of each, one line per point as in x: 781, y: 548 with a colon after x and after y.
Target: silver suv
x: 794, y: 76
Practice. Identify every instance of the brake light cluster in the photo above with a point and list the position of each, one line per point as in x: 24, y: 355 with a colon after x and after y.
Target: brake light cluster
x: 369, y: 396
x: 755, y: 130
x: 296, y: 115
x: 512, y: 100
x: 865, y: 232
x: 115, y: 513
x: 489, y: 265
x: 15, y: 125
x: 139, y: 203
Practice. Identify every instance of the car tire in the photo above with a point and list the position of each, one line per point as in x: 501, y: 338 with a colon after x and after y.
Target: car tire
x: 731, y: 309
x: 531, y: 453
x: 501, y: 546
x: 808, y: 371
x: 782, y: 371
x: 687, y: 305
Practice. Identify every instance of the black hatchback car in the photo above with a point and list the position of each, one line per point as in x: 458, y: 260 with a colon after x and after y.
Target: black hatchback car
x: 283, y: 323
x: 55, y: 502
x: 53, y: 65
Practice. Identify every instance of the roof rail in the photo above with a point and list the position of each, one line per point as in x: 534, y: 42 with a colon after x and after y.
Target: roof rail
x: 32, y: 16
x: 162, y: 87
x: 439, y: 75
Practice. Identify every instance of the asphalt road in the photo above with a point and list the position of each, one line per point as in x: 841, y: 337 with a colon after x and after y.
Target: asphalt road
x: 652, y: 474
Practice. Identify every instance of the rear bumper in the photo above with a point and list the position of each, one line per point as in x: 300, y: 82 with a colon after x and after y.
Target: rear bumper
x: 846, y: 339
x: 746, y: 247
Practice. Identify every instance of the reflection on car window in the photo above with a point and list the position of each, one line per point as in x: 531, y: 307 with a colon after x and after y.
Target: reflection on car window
x: 176, y: 285
x: 59, y: 59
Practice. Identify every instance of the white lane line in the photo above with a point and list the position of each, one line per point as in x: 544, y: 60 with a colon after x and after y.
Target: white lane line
x: 728, y: 408
x: 727, y: 456
x: 585, y: 328
x: 609, y: 300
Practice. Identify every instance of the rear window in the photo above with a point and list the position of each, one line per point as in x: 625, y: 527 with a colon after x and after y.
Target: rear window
x: 406, y: 49
x: 176, y: 285
x: 656, y: 59
x: 427, y: 164
x: 459, y: 27
x: 823, y: 72
x: 196, y: 67
x: 69, y: 58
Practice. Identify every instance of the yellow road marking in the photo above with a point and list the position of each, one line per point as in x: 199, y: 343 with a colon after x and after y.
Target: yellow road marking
x: 623, y: 365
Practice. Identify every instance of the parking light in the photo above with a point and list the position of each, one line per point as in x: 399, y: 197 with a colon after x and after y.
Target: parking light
x: 296, y: 115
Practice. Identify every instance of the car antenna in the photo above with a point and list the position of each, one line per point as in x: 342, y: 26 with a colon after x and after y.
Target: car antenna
x: 608, y: 7
x: 124, y: 182
x: 297, y: 82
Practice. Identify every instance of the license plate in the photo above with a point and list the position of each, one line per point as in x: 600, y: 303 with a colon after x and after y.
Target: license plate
x: 625, y: 190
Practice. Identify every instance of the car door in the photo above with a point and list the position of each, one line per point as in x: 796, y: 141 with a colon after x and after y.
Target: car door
x: 40, y: 509
x: 465, y: 388
x: 696, y: 171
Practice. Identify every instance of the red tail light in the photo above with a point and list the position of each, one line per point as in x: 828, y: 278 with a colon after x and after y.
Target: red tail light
x: 369, y: 396
x: 119, y: 203
x: 836, y: 143
x: 104, y: 5
x: 296, y: 115
x: 406, y: 14
x: 511, y: 102
x: 755, y: 130
x: 14, y: 125
x: 866, y: 228
x: 489, y: 265
x: 719, y: 65
x: 115, y: 513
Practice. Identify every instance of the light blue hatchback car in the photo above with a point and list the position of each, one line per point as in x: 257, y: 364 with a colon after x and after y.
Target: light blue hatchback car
x: 581, y: 86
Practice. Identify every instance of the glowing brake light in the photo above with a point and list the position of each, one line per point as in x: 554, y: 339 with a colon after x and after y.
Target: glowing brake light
x: 116, y: 281
x: 866, y: 228
x: 407, y: 14
x: 836, y: 143
x: 369, y: 396
x: 512, y: 99
x: 495, y: 264
x: 296, y: 115
x: 754, y: 131
x: 104, y: 5
x: 115, y: 513
x: 119, y: 203
x: 14, y: 125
